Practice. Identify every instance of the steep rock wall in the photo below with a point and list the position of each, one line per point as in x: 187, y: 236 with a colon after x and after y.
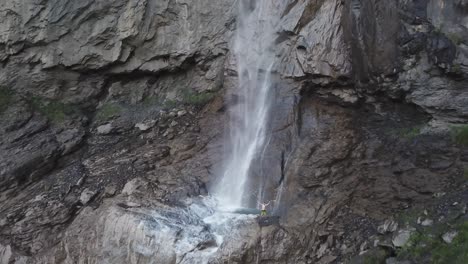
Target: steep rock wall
x: 119, y: 105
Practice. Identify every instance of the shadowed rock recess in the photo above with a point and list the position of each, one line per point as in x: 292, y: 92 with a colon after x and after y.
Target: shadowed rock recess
x: 112, y: 125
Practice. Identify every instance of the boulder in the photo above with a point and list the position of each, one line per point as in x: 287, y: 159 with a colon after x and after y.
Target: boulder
x: 402, y: 237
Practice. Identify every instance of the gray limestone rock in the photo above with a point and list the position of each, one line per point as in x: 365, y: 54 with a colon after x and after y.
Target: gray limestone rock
x: 354, y: 82
x: 86, y: 196
x: 402, y: 237
x: 388, y: 226
x: 104, y: 129
x: 449, y: 236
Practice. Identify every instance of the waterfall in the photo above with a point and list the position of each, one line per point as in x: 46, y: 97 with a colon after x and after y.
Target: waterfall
x: 257, y: 24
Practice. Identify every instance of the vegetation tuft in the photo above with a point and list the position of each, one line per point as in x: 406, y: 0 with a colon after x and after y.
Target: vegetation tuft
x: 410, y: 133
x: 152, y: 100
x: 455, y: 38
x: 108, y: 111
x: 460, y: 134
x: 197, y: 99
x: 456, y: 68
x: 54, y: 110
x: 5, y: 98
x: 375, y: 257
x: 456, y: 252
x: 425, y: 245
x: 158, y: 101
x: 169, y: 104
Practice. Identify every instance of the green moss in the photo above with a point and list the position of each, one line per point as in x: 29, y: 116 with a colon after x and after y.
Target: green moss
x: 54, y: 110
x: 410, y: 133
x: 169, y: 104
x: 409, y: 217
x: 196, y: 99
x: 5, y: 99
x: 375, y: 257
x: 158, y: 101
x: 428, y: 245
x: 417, y: 246
x: 460, y: 134
x: 456, y: 252
x: 455, y: 38
x: 465, y: 173
x: 152, y: 100
x: 456, y: 68
x: 108, y: 111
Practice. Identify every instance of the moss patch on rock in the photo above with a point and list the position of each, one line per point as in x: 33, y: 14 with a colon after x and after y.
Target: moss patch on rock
x: 410, y: 133
x: 460, y: 134
x: 427, y: 246
x: 108, y: 111
x: 55, y: 111
x: 5, y: 98
x: 196, y: 99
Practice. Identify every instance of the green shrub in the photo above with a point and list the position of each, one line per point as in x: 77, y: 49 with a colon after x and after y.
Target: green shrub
x: 460, y: 134
x: 196, y: 99
x: 5, y: 99
x: 54, y: 110
x: 108, y: 111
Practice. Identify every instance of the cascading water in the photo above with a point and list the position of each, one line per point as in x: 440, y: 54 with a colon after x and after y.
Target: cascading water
x: 202, y: 227
x: 256, y: 32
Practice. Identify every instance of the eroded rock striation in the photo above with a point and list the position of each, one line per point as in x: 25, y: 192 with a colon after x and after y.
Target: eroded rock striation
x: 112, y: 113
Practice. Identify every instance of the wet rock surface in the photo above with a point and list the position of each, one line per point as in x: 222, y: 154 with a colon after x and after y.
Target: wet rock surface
x: 112, y: 113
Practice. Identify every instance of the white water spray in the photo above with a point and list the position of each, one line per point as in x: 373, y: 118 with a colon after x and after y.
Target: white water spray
x: 257, y: 24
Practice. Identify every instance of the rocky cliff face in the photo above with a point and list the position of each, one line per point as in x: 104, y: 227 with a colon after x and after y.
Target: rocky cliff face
x: 112, y: 118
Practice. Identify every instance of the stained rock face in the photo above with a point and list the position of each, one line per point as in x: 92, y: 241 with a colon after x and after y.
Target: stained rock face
x: 111, y: 127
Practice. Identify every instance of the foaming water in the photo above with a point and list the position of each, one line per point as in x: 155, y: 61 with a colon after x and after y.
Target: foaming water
x: 256, y: 32
x: 200, y: 229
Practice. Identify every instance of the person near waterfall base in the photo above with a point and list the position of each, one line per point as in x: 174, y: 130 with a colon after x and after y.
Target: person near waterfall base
x: 263, y: 207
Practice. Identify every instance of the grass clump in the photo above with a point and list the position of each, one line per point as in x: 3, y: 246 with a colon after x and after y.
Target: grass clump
x: 417, y: 246
x: 169, y: 104
x: 197, y: 99
x: 430, y: 248
x: 410, y: 133
x: 409, y: 217
x: 151, y: 101
x: 456, y: 252
x: 456, y: 68
x: 54, y: 110
x: 455, y: 38
x: 460, y: 135
x: 158, y: 101
x: 6, y: 97
x: 108, y: 111
x: 375, y: 257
